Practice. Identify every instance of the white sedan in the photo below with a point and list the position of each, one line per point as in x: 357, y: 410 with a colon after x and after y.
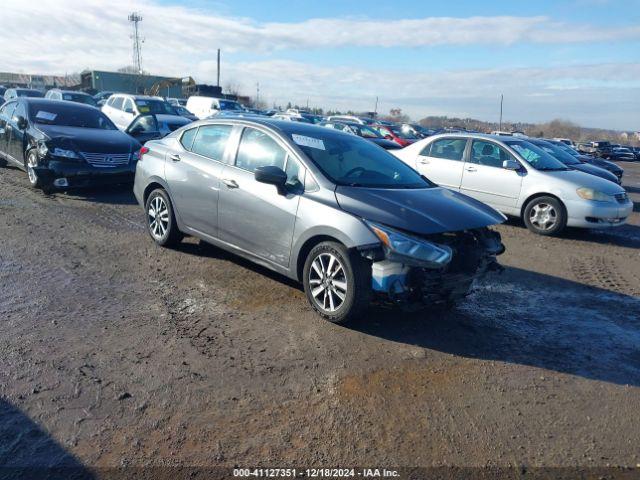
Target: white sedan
x: 519, y: 179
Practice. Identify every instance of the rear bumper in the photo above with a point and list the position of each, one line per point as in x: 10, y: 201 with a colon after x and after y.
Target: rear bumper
x: 84, y: 175
x: 585, y: 214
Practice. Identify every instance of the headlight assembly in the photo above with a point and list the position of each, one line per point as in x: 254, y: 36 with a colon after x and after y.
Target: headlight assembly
x: 410, y: 250
x: 60, y: 152
x: 591, y: 194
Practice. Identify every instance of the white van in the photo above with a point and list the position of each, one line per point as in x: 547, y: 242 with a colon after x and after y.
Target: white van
x: 204, y: 107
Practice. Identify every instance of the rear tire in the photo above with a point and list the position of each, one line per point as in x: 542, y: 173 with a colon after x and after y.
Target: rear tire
x: 337, y: 282
x: 160, y: 219
x: 545, y: 216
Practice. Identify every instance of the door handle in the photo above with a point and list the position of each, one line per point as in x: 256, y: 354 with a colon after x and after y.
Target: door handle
x: 424, y: 162
x: 471, y: 169
x: 230, y: 183
x: 175, y: 157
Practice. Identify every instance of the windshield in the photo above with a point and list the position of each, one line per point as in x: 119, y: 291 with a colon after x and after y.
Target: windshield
x: 535, y: 156
x: 406, y: 134
x: 79, y: 98
x: 365, y: 132
x: 558, y: 153
x: 352, y: 161
x: 229, y: 105
x: 157, y: 107
x: 28, y: 93
x: 69, y: 116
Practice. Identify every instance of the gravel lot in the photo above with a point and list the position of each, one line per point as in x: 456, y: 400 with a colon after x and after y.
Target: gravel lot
x: 116, y: 352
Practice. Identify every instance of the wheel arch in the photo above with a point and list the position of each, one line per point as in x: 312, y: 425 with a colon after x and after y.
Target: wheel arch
x: 306, y: 247
x: 538, y: 195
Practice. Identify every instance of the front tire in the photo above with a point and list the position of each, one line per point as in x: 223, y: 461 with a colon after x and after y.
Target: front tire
x: 30, y: 164
x: 337, y: 282
x: 160, y: 219
x: 545, y: 216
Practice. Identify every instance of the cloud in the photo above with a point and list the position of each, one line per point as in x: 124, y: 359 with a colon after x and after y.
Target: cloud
x: 50, y: 36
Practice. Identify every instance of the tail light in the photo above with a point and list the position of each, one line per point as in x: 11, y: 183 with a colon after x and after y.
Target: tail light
x: 141, y: 152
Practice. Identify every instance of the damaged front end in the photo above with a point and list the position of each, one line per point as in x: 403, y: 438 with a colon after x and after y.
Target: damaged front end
x: 431, y: 270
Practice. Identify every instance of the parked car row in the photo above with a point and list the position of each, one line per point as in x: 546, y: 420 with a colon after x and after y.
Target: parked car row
x: 316, y: 199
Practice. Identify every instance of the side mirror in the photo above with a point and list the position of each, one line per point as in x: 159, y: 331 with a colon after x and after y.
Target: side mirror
x: 21, y: 122
x: 510, y: 165
x: 144, y: 127
x: 128, y: 110
x: 272, y: 175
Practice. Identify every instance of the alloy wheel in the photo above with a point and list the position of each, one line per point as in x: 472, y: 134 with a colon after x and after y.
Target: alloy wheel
x: 543, y: 216
x: 328, y: 282
x: 158, y: 217
x: 32, y: 163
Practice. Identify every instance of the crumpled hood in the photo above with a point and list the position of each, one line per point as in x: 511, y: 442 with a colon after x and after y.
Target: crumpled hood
x: 89, y: 139
x: 422, y: 211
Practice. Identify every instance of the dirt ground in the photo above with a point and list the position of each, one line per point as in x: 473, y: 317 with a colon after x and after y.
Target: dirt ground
x: 116, y: 352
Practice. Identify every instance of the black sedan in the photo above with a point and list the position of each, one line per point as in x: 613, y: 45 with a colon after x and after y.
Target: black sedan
x: 363, y: 131
x: 591, y: 160
x: 65, y: 144
x: 571, y: 161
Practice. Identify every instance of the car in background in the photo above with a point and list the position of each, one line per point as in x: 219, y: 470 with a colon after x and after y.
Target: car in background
x: 2, y: 90
x: 291, y: 118
x: 71, y: 96
x: 571, y: 161
x: 363, y: 131
x: 566, y: 141
x: 395, y: 134
x: 177, y: 102
x: 183, y: 112
x: 636, y: 151
x: 65, y: 144
x: 591, y: 160
x: 320, y: 206
x: 620, y: 154
x: 417, y: 130
x: 352, y: 119
x: 21, y: 92
x: 205, y: 107
x: 102, y: 97
x: 123, y: 108
x: 519, y: 179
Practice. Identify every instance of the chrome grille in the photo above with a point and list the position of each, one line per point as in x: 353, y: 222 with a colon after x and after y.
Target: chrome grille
x: 106, y: 160
x: 622, y: 197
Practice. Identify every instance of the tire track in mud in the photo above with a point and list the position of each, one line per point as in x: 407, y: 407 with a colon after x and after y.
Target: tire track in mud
x: 600, y: 272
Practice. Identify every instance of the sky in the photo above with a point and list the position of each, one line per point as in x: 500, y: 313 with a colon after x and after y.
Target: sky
x: 572, y: 59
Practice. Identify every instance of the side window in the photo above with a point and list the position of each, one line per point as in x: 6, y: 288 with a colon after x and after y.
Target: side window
x: 20, y: 111
x: 488, y: 153
x: 211, y: 140
x: 295, y: 174
x: 187, y: 138
x: 7, y: 110
x: 128, y: 105
x: 448, y: 148
x: 426, y: 150
x: 117, y: 103
x: 384, y: 132
x: 258, y: 149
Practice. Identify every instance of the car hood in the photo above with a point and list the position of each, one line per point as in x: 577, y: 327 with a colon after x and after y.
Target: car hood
x: 422, y: 211
x: 593, y: 170
x: 89, y: 139
x: 384, y: 143
x: 574, y: 179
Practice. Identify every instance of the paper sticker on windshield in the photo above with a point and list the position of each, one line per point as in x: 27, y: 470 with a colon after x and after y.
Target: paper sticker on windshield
x: 42, y: 115
x: 304, y: 141
x: 143, y: 109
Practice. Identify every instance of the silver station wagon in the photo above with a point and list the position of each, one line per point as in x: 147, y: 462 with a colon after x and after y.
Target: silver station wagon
x: 339, y: 214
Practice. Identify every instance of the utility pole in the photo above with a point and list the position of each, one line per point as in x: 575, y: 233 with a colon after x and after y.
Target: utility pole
x: 257, y: 94
x: 218, y: 83
x: 375, y: 110
x: 501, y: 100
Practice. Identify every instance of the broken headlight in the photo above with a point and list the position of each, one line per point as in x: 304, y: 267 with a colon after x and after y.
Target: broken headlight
x: 410, y: 250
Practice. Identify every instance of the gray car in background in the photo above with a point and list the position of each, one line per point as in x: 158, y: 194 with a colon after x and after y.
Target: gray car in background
x: 331, y: 210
